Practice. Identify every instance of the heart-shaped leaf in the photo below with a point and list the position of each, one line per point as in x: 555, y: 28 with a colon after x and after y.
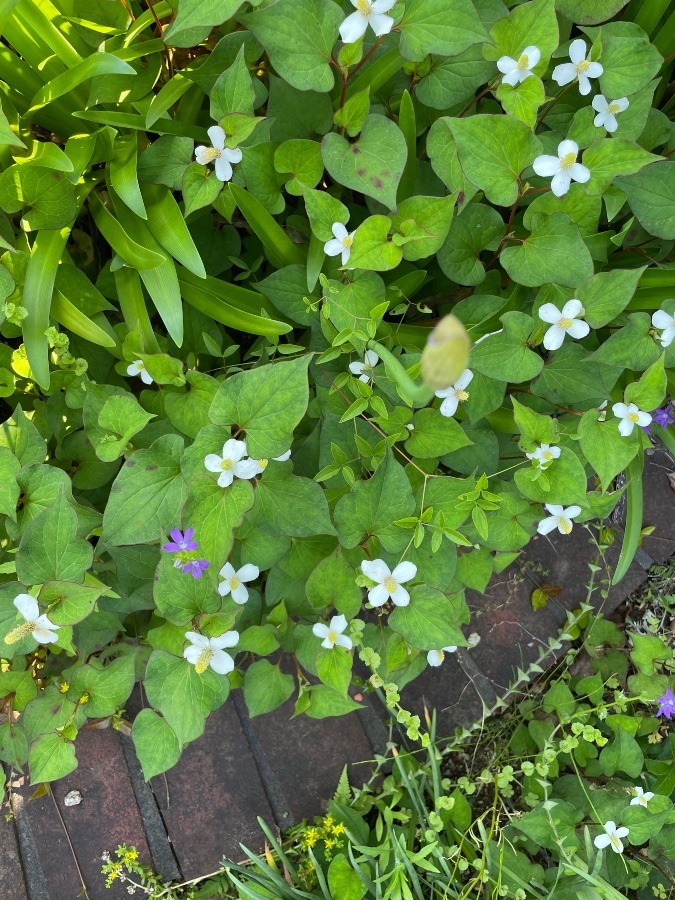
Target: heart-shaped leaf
x: 372, y: 165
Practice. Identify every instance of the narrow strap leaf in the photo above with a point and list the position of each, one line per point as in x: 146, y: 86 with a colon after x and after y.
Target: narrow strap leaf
x: 166, y: 222
x: 98, y: 64
x: 634, y: 513
x: 281, y: 250
x: 124, y: 174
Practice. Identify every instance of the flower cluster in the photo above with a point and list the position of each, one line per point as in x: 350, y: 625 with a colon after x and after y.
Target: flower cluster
x: 184, y: 546
x: 234, y: 462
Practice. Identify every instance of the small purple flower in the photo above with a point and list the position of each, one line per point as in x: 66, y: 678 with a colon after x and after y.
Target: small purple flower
x: 181, y: 543
x: 195, y: 567
x: 664, y: 417
x: 667, y: 707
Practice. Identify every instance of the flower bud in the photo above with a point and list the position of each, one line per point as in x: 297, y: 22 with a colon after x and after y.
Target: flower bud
x: 446, y: 354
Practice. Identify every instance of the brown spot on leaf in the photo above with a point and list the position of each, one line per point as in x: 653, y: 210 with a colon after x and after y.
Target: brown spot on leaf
x: 150, y: 468
x: 360, y: 172
x: 355, y: 150
x: 376, y: 182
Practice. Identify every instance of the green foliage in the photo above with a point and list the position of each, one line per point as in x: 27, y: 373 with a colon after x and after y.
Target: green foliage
x: 184, y: 306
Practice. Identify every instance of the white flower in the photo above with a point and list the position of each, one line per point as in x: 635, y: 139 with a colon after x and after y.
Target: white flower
x: 263, y: 463
x: 333, y: 634
x: 612, y: 836
x: 641, y: 797
x: 222, y: 155
x: 662, y: 319
x: 436, y: 657
x: 517, y: 70
x: 231, y: 464
x: 38, y: 626
x: 341, y: 243
x: 580, y: 68
x: 456, y: 394
x: 364, y: 369
x: 563, y: 322
x: 560, y: 518
x: 368, y: 12
x: 137, y: 367
x: 234, y: 581
x: 544, y: 455
x: 630, y: 416
x: 205, y: 651
x: 564, y: 168
x: 606, y: 112
x: 388, y: 583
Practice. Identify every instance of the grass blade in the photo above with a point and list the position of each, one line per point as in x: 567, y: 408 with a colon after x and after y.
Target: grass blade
x: 97, y: 64
x: 68, y: 315
x: 377, y: 74
x: 37, y: 297
x: 137, y: 123
x: 130, y: 251
x: 634, y: 512
x: 124, y: 175
x: 281, y: 251
x: 132, y: 305
x: 170, y: 93
x: 406, y: 122
x: 166, y: 222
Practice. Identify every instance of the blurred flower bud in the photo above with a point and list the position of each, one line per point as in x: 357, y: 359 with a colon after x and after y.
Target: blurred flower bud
x: 446, y: 354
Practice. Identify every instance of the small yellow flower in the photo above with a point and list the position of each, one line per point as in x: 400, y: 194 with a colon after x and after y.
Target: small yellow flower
x: 339, y: 828
x: 330, y: 843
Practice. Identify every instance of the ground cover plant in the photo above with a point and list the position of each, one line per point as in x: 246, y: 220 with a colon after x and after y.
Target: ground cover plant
x: 232, y: 458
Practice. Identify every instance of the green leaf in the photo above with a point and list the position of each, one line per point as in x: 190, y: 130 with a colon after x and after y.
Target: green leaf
x: 19, y: 435
x: 434, y: 435
x: 631, y: 346
x: 493, y: 151
x: 167, y: 226
x: 522, y: 101
x: 120, y: 418
x: 281, y: 250
x: 323, y: 212
x: 69, y: 602
x: 49, y: 548
x: 651, y: 195
x: 583, y: 210
x: 554, y: 252
x: 165, y: 160
x: 606, y: 450
x: 334, y: 668
x: 178, y: 596
x: 373, y: 164
x: 648, y: 650
x: 628, y: 59
x: 304, y: 64
x: 353, y: 114
x: 372, y: 249
x: 443, y: 155
x: 611, y: 157
x: 45, y: 197
x: 188, y: 411
x: 302, y: 161
x: 565, y: 477
x: 607, y: 294
x: 573, y: 377
x: 216, y: 512
x: 259, y: 639
x: 9, y: 489
x: 108, y: 686
x: 430, y: 620
x: 372, y: 506
x: 445, y: 27
x: 267, y: 402
x: 123, y: 172
x: 649, y: 391
x: 453, y: 81
x: 506, y: 356
x: 233, y: 91
x: 527, y: 24
x: 184, y: 697
x: 90, y: 67
x: 533, y: 426
x: 478, y: 228
x: 423, y: 224
x: 195, y: 20
x: 343, y: 881
x: 200, y: 188
x: 288, y: 505
x: 324, y: 702
x: 51, y: 757
x: 622, y: 755
x: 155, y: 742
x: 266, y: 687
x: 147, y: 495
x: 333, y: 583
x: 586, y: 14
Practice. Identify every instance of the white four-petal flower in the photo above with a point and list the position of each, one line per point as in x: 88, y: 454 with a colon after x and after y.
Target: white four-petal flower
x: 517, y: 70
x: 204, y: 651
x: 544, y: 455
x: 607, y: 112
x: 231, y: 464
x: 562, y: 322
x: 560, y: 518
x: 368, y: 12
x: 455, y: 394
x: 333, y: 634
x: 340, y: 243
x: 641, y: 797
x: 579, y: 67
x: 137, y: 367
x: 263, y: 463
x: 630, y: 415
x: 38, y: 626
x: 365, y: 369
x: 611, y: 837
x: 564, y: 168
x: 233, y: 581
x: 666, y: 321
x: 388, y: 583
x: 220, y: 154
x: 436, y: 657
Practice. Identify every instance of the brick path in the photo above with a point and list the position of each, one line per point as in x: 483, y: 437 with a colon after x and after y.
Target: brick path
x: 185, y: 822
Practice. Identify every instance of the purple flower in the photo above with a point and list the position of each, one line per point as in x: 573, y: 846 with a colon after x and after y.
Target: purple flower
x: 664, y: 417
x: 667, y: 707
x: 195, y: 567
x: 181, y: 542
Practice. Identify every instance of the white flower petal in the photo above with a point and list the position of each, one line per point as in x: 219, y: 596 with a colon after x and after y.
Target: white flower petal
x: 400, y: 597
x: 513, y: 78
x: 572, y: 512
x: 560, y: 183
x: 133, y: 369
x: 643, y: 419
x: 533, y: 55
x: 577, y: 51
x: 227, y: 571
x: 333, y: 247
x: 216, y: 136
x: 225, y: 478
x: 578, y: 329
x: 320, y: 630
x: 356, y: 368
x: 228, y: 639
x: 381, y: 24
x: 404, y: 571
x: 375, y: 569
x: 668, y: 336
x: 240, y: 594
x: 378, y: 595
x: 554, y: 337
x: 599, y: 103
x: 198, y: 640
x: 339, y: 231
x: 564, y: 74
x: 371, y: 358
x: 662, y: 319
x: 232, y: 155
x: 507, y: 64
x: 572, y: 309
x: 464, y: 380
x: 580, y: 173
x: 27, y: 606
x: 584, y: 84
x: 248, y: 572
x: 449, y: 406
x: 626, y: 427
x: 621, y: 409
x: 567, y: 146
x: 546, y: 165
x: 344, y: 641
x: 547, y: 525
x: 556, y: 509
x: 234, y: 449
x: 353, y: 28
x: 222, y: 662
x: 212, y: 462
x: 246, y: 468
x: 594, y: 70
x: 338, y: 623
x: 435, y: 657
x: 202, y: 156
x: 549, y: 313
x: 223, y: 169
x: 601, y: 841
x: 192, y: 654
x: 382, y: 6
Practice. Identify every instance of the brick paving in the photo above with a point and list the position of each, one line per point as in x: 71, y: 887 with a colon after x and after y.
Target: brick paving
x: 285, y: 769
